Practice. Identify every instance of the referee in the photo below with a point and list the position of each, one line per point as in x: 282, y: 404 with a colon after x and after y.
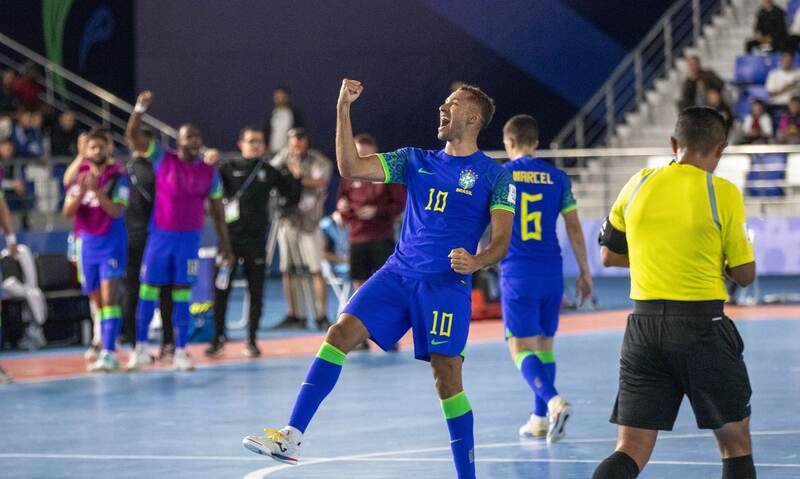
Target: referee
x: 680, y: 229
x: 247, y: 182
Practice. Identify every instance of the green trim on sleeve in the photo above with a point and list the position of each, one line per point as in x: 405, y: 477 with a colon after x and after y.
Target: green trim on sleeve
x: 456, y: 406
x: 387, y: 177
x: 332, y: 354
x: 569, y: 208
x: 151, y: 149
x: 510, y: 209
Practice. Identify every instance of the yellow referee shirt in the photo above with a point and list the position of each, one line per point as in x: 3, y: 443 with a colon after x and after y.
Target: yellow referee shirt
x: 683, y: 226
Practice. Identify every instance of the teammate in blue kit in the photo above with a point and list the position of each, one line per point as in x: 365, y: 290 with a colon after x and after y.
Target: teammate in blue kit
x: 453, y: 194
x: 532, y: 278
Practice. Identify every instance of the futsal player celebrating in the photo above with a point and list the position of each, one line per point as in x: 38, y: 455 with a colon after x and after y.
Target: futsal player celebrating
x: 97, y: 199
x: 184, y: 180
x: 680, y: 229
x: 453, y: 194
x: 532, y: 277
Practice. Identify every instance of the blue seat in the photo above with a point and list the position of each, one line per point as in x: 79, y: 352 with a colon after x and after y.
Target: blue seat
x: 751, y: 69
x: 769, y: 159
x: 750, y: 93
x: 761, y: 176
x: 791, y: 10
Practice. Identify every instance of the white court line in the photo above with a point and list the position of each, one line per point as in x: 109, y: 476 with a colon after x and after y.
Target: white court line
x: 380, y: 456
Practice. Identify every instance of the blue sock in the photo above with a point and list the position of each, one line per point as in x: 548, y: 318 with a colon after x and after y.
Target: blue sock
x: 109, y: 326
x: 148, y: 298
x: 535, y: 374
x: 458, y: 413
x: 181, y: 315
x: 539, y: 405
x: 320, y: 380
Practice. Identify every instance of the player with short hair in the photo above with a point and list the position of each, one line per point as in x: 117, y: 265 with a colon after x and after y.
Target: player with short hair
x: 532, y: 276
x: 453, y: 194
x: 97, y: 199
x: 184, y: 181
x: 680, y: 229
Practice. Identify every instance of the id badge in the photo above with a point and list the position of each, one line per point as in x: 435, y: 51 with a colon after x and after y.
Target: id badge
x: 231, y: 210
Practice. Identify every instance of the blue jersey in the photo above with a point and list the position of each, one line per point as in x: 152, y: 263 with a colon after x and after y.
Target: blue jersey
x: 449, y: 201
x: 544, y: 192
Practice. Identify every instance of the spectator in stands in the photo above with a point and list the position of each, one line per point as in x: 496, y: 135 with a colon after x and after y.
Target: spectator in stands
x: 27, y: 134
x: 299, y: 237
x: 14, y: 187
x: 64, y: 135
x: 760, y: 44
x: 784, y: 82
x: 757, y: 126
x: 698, y: 82
x: 8, y: 100
x: 26, y: 87
x: 284, y: 117
x: 714, y: 100
x: 789, y: 125
x: 247, y: 182
x: 370, y: 211
x: 770, y: 23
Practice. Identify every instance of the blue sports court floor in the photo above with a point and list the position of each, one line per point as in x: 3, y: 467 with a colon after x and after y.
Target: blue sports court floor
x: 382, y: 421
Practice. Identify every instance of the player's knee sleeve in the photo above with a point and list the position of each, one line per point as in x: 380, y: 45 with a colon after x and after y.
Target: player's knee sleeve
x: 739, y: 468
x: 617, y: 466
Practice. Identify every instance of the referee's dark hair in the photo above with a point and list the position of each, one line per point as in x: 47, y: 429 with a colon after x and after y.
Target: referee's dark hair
x: 524, y: 129
x: 249, y: 128
x: 700, y: 129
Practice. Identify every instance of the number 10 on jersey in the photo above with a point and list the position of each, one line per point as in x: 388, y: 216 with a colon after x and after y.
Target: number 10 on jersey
x: 441, y: 200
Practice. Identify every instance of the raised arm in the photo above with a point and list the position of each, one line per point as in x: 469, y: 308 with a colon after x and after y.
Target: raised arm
x: 137, y: 141
x: 351, y: 165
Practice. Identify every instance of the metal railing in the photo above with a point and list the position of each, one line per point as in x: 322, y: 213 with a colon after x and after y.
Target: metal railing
x: 93, y: 105
x: 678, y: 28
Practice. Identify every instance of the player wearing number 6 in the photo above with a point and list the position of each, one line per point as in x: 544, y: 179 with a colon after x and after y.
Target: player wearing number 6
x: 453, y: 194
x: 532, y: 281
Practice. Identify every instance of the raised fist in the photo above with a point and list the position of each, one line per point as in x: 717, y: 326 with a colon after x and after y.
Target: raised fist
x: 351, y: 90
x: 145, y: 98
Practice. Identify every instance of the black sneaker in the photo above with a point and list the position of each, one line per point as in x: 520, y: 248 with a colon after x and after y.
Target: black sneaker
x: 251, y: 350
x: 323, y: 323
x: 214, y: 349
x: 166, y: 352
x: 290, y: 322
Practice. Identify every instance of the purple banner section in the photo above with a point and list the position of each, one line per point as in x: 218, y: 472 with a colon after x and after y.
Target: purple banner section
x: 776, y: 240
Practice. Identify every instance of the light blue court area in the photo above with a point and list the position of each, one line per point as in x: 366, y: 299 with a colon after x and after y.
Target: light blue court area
x: 382, y: 421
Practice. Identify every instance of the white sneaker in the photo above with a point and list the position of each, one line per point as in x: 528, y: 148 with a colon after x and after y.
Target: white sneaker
x: 181, y: 361
x: 279, y: 445
x: 139, y: 358
x: 5, y: 378
x: 535, y: 427
x: 559, y: 411
x: 92, y: 353
x: 106, y: 363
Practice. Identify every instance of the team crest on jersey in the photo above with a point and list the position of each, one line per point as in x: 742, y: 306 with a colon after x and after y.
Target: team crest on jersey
x: 466, y: 181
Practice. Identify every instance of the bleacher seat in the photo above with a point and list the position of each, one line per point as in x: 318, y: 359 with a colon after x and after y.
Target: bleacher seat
x: 791, y: 10
x: 793, y: 170
x: 734, y: 168
x: 751, y: 69
x: 766, y: 175
x: 750, y: 93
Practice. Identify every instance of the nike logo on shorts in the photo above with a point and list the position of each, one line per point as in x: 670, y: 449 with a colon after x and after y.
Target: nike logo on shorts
x: 436, y: 343
x: 423, y: 171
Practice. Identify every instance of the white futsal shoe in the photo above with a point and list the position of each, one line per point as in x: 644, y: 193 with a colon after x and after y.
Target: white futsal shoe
x: 139, y: 358
x: 535, y: 427
x: 93, y: 352
x: 283, y: 445
x: 106, y: 363
x: 181, y: 361
x: 559, y: 412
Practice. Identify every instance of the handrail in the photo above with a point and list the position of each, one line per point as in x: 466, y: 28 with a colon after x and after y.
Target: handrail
x: 595, y: 122
x: 648, y: 151
x: 90, y: 87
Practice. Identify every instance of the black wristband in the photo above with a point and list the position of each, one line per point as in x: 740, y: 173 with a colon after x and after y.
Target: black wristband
x: 612, y: 238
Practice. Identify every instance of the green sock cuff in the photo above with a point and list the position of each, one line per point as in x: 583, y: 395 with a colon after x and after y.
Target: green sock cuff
x: 110, y: 312
x: 148, y: 293
x: 182, y: 295
x: 456, y: 406
x: 521, y: 357
x: 332, y: 354
x: 546, y: 357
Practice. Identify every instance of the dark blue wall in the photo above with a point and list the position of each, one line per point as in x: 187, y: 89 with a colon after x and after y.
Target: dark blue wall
x: 215, y: 63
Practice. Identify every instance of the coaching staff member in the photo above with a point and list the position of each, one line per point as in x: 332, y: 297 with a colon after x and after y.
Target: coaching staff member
x: 246, y: 183
x: 680, y: 229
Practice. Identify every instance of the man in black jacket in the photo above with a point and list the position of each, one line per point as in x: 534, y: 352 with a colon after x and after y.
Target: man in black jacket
x: 247, y: 183
x: 137, y: 221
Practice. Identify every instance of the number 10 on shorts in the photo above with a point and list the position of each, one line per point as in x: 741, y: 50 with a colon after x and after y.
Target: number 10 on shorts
x: 444, y: 321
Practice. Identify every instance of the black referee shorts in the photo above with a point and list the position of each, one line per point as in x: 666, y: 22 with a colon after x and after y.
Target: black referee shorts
x: 367, y: 258
x: 672, y: 348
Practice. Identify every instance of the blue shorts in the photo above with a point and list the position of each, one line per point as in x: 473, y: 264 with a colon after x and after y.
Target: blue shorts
x: 171, y: 258
x: 438, y: 313
x: 98, y: 268
x: 531, y: 306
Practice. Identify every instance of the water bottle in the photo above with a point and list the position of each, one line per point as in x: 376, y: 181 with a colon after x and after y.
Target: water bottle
x: 223, y: 276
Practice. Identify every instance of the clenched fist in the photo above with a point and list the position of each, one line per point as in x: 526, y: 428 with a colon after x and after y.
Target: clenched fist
x: 463, y: 262
x: 145, y: 98
x: 351, y: 90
